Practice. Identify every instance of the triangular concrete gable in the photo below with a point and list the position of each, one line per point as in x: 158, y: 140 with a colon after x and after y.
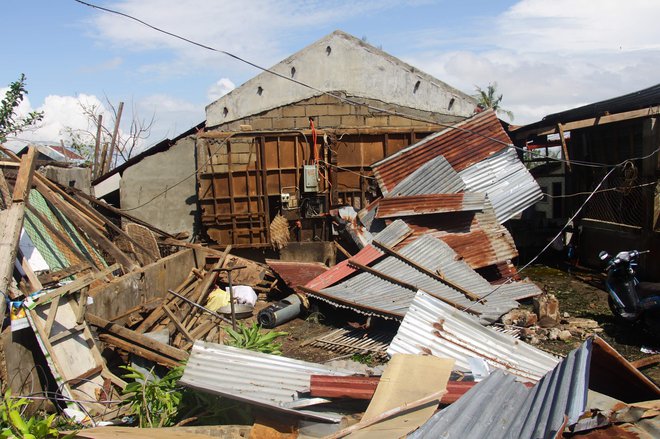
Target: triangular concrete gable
x: 342, y: 63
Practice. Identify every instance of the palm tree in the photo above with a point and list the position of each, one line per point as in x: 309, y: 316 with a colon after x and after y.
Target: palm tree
x: 488, y: 99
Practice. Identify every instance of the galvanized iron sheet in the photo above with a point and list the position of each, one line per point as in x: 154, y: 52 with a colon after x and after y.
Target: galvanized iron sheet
x: 429, y: 204
x: 392, y: 235
x: 272, y: 381
x: 296, y: 273
x: 433, y: 327
x: 434, y: 177
x: 373, y: 294
x: 462, y: 145
x: 501, y: 407
x: 509, y: 185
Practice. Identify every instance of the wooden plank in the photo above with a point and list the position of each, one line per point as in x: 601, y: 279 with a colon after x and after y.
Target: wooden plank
x: 177, y: 323
x: 56, y: 276
x: 11, y: 223
x: 92, y: 232
x: 66, y: 239
x: 24, y: 178
x: 520, y: 132
x: 66, y: 333
x: 564, y: 147
x: 52, y: 313
x: 138, y: 350
x: 157, y: 313
x: 390, y: 251
x: 82, y: 305
x: 77, y: 284
x: 145, y: 341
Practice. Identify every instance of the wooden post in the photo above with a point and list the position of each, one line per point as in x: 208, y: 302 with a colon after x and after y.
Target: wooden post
x: 113, y: 142
x: 97, y: 146
x: 11, y: 223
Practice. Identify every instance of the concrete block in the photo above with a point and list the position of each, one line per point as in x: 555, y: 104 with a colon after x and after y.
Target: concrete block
x: 352, y: 121
x: 328, y: 121
x: 316, y: 110
x: 262, y: 123
x: 242, y: 147
x: 293, y: 111
x: 396, y: 121
x: 340, y: 110
x: 241, y: 158
x: 547, y: 308
x: 284, y: 123
x: 376, y: 121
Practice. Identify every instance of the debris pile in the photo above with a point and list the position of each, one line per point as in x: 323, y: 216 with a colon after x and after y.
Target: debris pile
x: 430, y: 297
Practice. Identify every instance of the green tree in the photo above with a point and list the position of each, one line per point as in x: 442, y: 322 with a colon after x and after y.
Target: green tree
x: 10, y: 123
x: 488, y: 98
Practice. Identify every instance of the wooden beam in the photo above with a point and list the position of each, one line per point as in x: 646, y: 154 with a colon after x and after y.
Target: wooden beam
x: 56, y: 276
x: 11, y: 223
x: 136, y: 338
x: 24, y: 178
x: 520, y: 132
x: 138, y: 350
x: 390, y: 251
x: 79, y: 221
x: 77, y: 284
x: 564, y: 147
x: 182, y: 329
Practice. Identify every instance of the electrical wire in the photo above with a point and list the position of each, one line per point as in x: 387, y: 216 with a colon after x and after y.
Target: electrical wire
x: 614, y: 189
x: 538, y: 255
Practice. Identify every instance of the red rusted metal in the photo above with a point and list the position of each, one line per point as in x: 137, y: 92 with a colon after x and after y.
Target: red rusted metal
x: 429, y: 204
x: 295, y: 274
x: 465, y: 144
x: 342, y: 270
x: 356, y: 387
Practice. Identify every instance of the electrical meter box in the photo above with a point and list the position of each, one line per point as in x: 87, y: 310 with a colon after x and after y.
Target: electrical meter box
x: 310, y: 178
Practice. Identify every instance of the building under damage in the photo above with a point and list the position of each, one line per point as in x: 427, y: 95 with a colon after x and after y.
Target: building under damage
x: 382, y: 194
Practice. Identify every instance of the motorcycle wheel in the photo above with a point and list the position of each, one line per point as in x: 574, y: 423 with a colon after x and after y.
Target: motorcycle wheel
x: 616, y: 312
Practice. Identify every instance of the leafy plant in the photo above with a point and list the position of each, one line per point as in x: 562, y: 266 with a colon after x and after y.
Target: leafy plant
x: 9, y: 122
x: 251, y: 338
x: 13, y: 425
x: 488, y: 98
x: 154, y: 402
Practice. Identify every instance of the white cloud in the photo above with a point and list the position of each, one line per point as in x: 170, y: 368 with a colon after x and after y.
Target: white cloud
x: 553, y: 56
x: 219, y: 89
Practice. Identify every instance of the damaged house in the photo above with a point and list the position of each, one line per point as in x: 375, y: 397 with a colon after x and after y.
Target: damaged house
x: 594, y: 138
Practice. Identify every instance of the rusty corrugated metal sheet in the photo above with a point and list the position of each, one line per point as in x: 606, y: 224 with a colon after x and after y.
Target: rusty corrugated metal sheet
x: 295, y: 273
x: 463, y: 145
x: 433, y: 327
x: 429, y: 204
x: 434, y: 177
x: 391, y: 235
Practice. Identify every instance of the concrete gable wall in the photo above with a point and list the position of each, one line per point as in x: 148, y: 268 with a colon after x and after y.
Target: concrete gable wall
x: 340, y: 63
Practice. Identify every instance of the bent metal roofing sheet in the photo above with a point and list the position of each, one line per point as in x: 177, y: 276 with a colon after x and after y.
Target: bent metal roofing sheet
x: 267, y: 380
x: 433, y: 327
x: 462, y: 145
x: 500, y: 407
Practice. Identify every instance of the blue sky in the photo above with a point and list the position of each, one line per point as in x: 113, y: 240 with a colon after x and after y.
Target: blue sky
x: 545, y: 55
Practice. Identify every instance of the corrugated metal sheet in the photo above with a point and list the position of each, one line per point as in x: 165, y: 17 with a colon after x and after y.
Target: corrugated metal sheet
x: 437, y: 255
x: 478, y: 238
x: 434, y: 177
x: 500, y: 407
x: 267, y: 380
x: 392, y: 234
x: 431, y: 326
x: 296, y: 273
x: 373, y: 294
x: 509, y: 185
x: 463, y: 145
x: 429, y: 204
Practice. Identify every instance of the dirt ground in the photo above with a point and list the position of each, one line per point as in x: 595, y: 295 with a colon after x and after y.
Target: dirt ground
x: 576, y: 297
x: 581, y: 299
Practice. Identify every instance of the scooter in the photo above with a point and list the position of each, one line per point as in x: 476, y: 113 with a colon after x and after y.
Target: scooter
x: 629, y: 299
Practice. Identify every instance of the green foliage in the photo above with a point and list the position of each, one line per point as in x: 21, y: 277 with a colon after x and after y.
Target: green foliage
x: 13, y: 425
x: 9, y: 122
x: 251, y: 338
x: 488, y: 99
x: 365, y: 358
x: 154, y: 402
